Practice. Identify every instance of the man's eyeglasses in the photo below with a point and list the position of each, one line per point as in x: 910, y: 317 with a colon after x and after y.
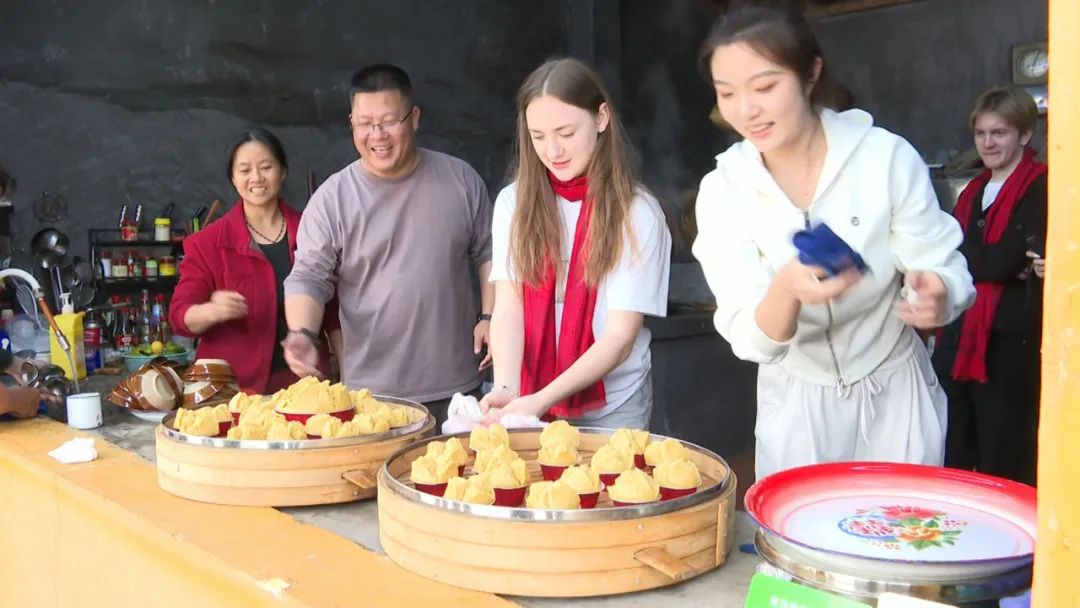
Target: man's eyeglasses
x: 386, y: 126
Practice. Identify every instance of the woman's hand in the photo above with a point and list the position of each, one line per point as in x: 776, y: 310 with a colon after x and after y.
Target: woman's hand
x: 496, y: 399
x: 926, y: 307
x: 529, y: 405
x: 225, y: 306
x: 811, y: 285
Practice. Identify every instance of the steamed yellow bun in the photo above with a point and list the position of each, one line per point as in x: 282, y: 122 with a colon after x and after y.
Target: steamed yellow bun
x: 509, y: 475
x: 634, y: 486
x: 286, y: 431
x: 677, y: 474
x: 368, y: 424
x: 552, y: 495
x: 582, y: 479
x: 560, y: 432
x: 668, y: 449
x: 202, y: 422
x: 489, y: 459
x: 610, y: 459
x: 630, y: 440
x: 451, y: 448
x: 323, y: 425
x: 558, y: 455
x: 475, y: 490
x: 432, y: 470
x: 488, y: 437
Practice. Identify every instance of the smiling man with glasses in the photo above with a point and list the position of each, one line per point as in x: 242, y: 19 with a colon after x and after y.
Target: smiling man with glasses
x: 396, y: 232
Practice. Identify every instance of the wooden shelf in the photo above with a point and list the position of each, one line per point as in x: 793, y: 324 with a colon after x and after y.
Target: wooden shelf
x: 139, y: 281
x: 138, y: 243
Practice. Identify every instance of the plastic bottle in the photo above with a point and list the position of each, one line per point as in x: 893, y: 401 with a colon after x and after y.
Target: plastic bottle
x: 71, y: 325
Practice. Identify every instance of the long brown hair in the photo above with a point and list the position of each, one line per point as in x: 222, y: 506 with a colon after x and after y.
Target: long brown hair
x: 536, y: 228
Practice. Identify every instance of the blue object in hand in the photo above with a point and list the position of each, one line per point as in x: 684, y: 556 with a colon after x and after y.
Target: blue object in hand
x: 820, y: 246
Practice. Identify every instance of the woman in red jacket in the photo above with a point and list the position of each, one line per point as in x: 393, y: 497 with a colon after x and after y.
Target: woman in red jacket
x: 230, y: 290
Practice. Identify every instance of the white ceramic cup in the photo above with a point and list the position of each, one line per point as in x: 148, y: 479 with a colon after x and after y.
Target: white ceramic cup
x: 84, y: 410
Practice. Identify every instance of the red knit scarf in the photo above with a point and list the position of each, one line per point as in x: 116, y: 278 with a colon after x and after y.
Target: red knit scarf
x: 970, y: 364
x: 542, y: 361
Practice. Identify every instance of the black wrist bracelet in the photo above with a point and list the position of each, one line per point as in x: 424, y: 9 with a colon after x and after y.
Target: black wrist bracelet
x: 310, y: 335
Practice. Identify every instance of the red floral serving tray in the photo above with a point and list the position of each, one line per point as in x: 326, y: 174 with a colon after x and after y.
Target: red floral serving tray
x: 897, y: 512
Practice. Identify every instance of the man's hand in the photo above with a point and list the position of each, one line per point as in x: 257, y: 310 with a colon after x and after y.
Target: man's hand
x: 1038, y: 264
x: 481, y: 334
x: 301, y: 355
x: 21, y: 402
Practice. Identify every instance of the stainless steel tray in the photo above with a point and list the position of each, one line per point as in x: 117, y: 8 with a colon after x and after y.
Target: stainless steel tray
x: 392, y: 484
x: 863, y: 588
x: 300, y: 444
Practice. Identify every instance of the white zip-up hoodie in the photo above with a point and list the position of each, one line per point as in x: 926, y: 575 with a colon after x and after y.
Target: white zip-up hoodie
x: 875, y: 193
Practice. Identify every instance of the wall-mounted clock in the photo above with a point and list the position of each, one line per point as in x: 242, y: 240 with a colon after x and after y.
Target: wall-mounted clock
x: 1030, y: 63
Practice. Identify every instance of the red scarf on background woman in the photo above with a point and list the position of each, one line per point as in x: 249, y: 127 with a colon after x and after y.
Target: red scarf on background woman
x: 542, y: 361
x: 970, y: 364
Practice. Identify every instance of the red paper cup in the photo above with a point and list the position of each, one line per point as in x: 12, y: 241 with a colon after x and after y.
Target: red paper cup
x: 552, y: 472
x: 673, y: 493
x: 235, y: 417
x: 639, y: 461
x: 436, y: 489
x: 343, y: 415
x: 461, y: 470
x: 223, y: 428
x: 608, y: 479
x: 310, y: 436
x: 510, y: 497
x: 630, y: 504
x: 588, y: 501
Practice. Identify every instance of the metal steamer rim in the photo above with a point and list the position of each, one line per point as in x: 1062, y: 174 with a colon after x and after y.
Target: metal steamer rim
x: 390, y: 483
x: 859, y: 587
x: 302, y: 444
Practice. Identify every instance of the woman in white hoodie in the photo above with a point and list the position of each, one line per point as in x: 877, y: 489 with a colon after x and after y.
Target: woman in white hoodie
x: 842, y: 374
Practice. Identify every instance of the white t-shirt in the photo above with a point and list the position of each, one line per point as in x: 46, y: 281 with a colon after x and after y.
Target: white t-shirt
x: 638, y: 283
x: 990, y: 193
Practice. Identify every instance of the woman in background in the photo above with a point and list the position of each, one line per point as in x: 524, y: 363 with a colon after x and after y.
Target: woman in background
x: 230, y: 293
x: 989, y: 359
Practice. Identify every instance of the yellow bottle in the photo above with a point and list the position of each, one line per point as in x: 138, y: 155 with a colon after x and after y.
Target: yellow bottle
x: 71, y: 325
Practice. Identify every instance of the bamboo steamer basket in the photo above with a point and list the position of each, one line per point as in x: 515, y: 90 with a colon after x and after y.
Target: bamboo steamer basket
x: 557, y: 553
x: 280, y: 473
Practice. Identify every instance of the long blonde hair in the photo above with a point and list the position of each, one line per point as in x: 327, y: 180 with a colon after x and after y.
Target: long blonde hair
x: 535, y: 231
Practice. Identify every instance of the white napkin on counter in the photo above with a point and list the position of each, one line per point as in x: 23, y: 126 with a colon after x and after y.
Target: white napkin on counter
x: 79, y: 449
x: 463, y: 414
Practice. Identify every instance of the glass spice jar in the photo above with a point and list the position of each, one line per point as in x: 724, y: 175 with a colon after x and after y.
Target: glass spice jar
x: 167, y: 266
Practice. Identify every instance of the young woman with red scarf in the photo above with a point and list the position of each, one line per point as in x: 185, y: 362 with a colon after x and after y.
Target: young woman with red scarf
x: 580, y: 254
x: 989, y: 359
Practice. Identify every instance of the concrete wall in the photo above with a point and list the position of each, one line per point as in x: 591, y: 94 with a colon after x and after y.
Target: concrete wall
x: 120, y: 100
x: 918, y: 67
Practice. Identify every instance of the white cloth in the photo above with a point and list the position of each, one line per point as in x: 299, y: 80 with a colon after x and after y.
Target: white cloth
x: 79, y: 449
x: 990, y: 193
x: 464, y: 413
x: 638, y: 283
x: 897, y: 413
x: 875, y: 193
